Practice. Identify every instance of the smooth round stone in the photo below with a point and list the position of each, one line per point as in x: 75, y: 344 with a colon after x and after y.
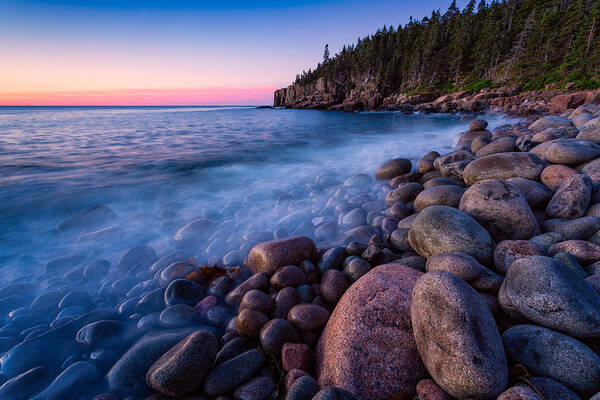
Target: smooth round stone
x: 310, y: 271
x: 501, y: 208
x: 234, y: 348
x: 332, y: 259
x: 46, y: 303
x: 467, y: 138
x: 307, y: 317
x: 393, y: 168
x: 127, y: 374
x: 450, y: 319
x: 284, y: 301
x: 104, y: 359
x: 452, y: 165
x: 443, y: 182
x: 71, y: 382
x: 578, y: 228
x: 550, y: 121
x: 150, y: 302
x: 255, y: 282
x: 362, y: 234
x: 368, y: 345
x: 250, y: 322
x: 592, y: 169
x: 429, y: 390
x: 404, y: 193
x: 178, y: 315
x: 268, y: 257
x: 554, y: 355
x: 75, y: 298
x: 136, y: 255
x: 503, y: 144
x: 25, y: 385
x: 233, y: 373
x: 399, y: 240
x: 555, y: 175
x: 504, y: 166
x: 334, y: 393
x: 326, y: 231
x: 467, y: 268
x: 259, y: 388
x: 333, y: 285
x: 544, y: 241
x: 193, y: 233
x: 425, y: 163
x: 544, y: 291
x: 478, y: 125
x: 275, y: 334
x: 443, y: 229
x: 355, y: 248
x: 405, y: 178
x: 358, y: 180
x: 445, y: 195
x: 176, y: 271
x: 572, y: 198
x: 594, y: 282
x: 183, y: 291
x: 290, y: 275
x: 398, y: 210
x: 536, y: 194
x: 508, y: 251
x: 305, y: 387
x: 519, y: 393
x: 257, y: 300
x: 183, y: 368
x: 551, y: 389
x: 584, y: 252
x: 100, y: 333
x: 591, y: 130
x: 571, y: 152
x: 356, y: 269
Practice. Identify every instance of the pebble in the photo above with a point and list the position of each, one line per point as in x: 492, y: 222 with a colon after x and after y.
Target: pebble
x: 259, y: 388
x: 234, y: 372
x: 393, y: 168
x: 504, y: 166
x: 303, y: 388
x: 445, y: 195
x: 508, y: 251
x: 572, y: 198
x: 71, y: 382
x: 268, y: 257
x: 290, y: 275
x: 307, y: 317
x: 333, y: 285
x: 584, y: 252
x: 555, y: 175
x: 183, y: 291
x: 275, y: 334
x: 250, y: 322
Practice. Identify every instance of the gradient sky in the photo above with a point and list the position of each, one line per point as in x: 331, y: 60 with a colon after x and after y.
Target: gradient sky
x: 134, y: 52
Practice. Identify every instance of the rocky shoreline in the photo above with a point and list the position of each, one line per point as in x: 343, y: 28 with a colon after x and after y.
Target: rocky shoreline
x: 327, y: 95
x: 470, y: 275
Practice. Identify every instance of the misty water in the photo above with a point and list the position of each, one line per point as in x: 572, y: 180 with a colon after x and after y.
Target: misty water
x: 246, y: 174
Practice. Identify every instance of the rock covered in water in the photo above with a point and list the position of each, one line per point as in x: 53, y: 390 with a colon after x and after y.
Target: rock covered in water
x: 457, y: 337
x: 267, y: 257
x: 443, y: 229
x: 368, y: 346
x: 95, y: 217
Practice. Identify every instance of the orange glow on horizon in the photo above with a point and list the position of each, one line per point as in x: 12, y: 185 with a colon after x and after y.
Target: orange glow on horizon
x: 260, y: 95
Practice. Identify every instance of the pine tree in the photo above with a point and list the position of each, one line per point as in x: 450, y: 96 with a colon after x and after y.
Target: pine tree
x: 326, y: 54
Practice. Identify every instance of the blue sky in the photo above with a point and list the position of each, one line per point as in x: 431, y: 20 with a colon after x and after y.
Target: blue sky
x: 86, y: 46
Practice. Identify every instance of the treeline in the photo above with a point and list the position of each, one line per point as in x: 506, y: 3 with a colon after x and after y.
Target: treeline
x: 529, y: 42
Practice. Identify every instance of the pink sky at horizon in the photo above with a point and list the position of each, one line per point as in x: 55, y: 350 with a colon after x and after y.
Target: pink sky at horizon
x: 261, y: 95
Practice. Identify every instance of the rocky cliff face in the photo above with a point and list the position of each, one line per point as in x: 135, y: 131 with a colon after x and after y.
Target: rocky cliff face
x: 363, y: 94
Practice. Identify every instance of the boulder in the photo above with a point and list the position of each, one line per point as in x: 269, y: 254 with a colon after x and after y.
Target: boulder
x: 393, y: 168
x: 548, y: 353
x: 443, y: 229
x: 478, y: 125
x: 444, y: 195
x: 268, y: 257
x: 579, y: 228
x: 591, y: 130
x: 503, y: 144
x: 500, y: 207
x: 544, y: 291
x: 584, y: 252
x: 452, y: 165
x: 549, y: 121
x: 555, y: 175
x: 536, y: 194
x: 571, y: 151
x: 572, y: 198
x: 368, y: 345
x: 457, y: 337
x: 504, y: 166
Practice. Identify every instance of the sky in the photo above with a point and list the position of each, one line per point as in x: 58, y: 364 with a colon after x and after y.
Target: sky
x: 176, y: 52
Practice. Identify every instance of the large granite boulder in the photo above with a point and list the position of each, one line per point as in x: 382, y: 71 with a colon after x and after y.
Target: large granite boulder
x: 443, y: 229
x: 457, y: 337
x: 368, y: 346
x: 544, y: 291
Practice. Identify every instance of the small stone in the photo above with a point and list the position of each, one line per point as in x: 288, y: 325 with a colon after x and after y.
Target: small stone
x: 290, y: 275
x: 445, y: 195
x: 578, y: 228
x: 519, y: 393
x: 332, y: 259
x: 256, y: 281
x: 584, y: 252
x: 427, y: 389
x: 303, y: 388
x: 404, y: 193
x: 256, y: 300
x: 508, y: 251
x: 356, y: 269
x: 333, y: 285
x: 259, y: 388
x: 572, y: 198
x: 392, y: 168
x: 284, y: 301
x: 478, y: 125
x: 536, y: 194
x: 544, y: 241
x: 250, y: 322
x: 453, y: 164
x: 296, y: 356
x: 183, y: 368
x: 308, y: 316
x: 275, y: 334
x: 555, y: 175
x: 232, y: 373
x: 183, y: 291
x: 268, y: 257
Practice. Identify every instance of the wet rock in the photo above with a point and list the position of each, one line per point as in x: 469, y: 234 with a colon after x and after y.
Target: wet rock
x: 268, y: 257
x: 178, y: 315
x: 307, y: 317
x: 183, y: 368
x: 259, y: 388
x: 356, y: 269
x: 478, y: 125
x: 551, y: 354
x: 100, y: 333
x: 257, y: 300
x: 445, y: 195
x: 303, y: 388
x: 332, y: 259
x: 443, y: 181
x: 174, y: 271
x: 93, y: 218
x: 542, y: 290
x: 333, y: 285
x: 25, y: 385
x: 290, y: 275
x: 398, y: 211
x: 232, y: 373
x: 250, y: 322
x: 504, y: 166
x: 555, y: 175
x: 508, y: 251
x: 519, y: 393
x: 450, y: 319
x: 425, y: 163
x: 501, y: 207
x: 399, y: 240
x: 572, y: 198
x: 64, y: 263
x: 468, y: 269
x: 579, y: 228
x: 284, y: 301
x: 536, y: 194
x: 193, y: 233
x: 453, y: 164
x: 72, y: 382
x: 354, y: 218
x: 255, y: 282
x: 584, y: 252
x: 234, y: 348
x: 183, y: 291
x: 551, y: 389
x: 368, y: 347
x: 275, y: 334
x: 443, y: 229
x: 404, y: 193
x: 393, y: 168
x: 362, y: 234
x: 135, y: 256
